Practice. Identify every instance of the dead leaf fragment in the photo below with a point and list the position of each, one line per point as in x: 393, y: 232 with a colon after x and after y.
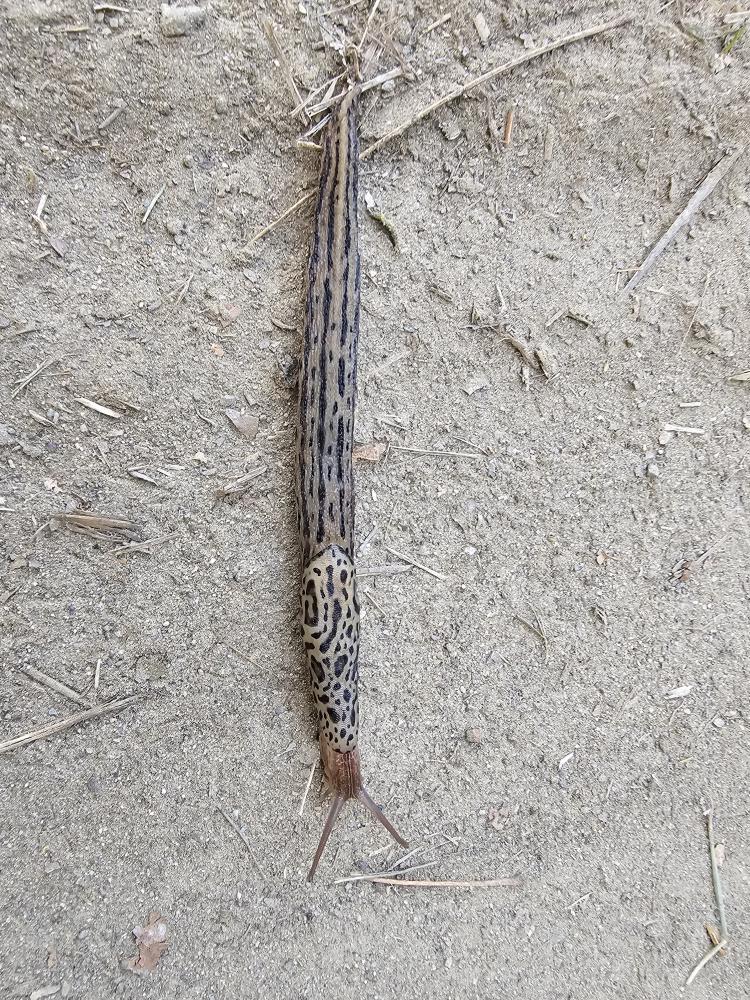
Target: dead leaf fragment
x: 245, y: 423
x: 546, y: 361
x: 44, y: 991
x: 482, y: 30
x: 152, y: 943
x: 228, y: 312
x: 371, y: 452
x: 679, y: 692
x: 58, y: 244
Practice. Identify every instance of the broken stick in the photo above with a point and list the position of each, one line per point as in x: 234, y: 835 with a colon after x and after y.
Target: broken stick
x: 712, y: 178
x: 61, y: 725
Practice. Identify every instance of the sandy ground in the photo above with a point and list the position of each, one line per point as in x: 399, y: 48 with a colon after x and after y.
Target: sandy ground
x: 517, y: 717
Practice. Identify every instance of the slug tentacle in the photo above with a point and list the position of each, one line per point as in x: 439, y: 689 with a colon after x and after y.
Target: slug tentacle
x: 325, y: 482
x: 333, y: 815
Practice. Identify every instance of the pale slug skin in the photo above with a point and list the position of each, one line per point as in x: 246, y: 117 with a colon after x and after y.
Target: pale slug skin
x: 325, y: 486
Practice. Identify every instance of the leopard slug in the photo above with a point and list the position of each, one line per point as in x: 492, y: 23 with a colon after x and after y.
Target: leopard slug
x: 325, y: 485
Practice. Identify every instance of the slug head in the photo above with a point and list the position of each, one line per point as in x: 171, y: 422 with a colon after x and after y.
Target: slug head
x: 343, y: 775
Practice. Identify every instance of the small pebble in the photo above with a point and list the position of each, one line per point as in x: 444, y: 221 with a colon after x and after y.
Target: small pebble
x: 221, y: 104
x: 473, y: 735
x: 719, y: 722
x: 482, y: 30
x: 652, y: 470
x: 176, y: 21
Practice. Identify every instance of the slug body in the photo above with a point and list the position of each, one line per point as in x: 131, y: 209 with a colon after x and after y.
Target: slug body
x: 325, y: 485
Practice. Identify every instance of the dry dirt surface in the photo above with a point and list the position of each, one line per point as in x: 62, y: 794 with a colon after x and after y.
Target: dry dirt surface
x: 565, y: 693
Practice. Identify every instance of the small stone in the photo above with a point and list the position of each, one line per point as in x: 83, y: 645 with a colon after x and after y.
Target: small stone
x: 94, y: 785
x: 665, y: 437
x: 388, y: 87
x: 652, y: 470
x: 228, y: 312
x: 482, y: 30
x: 176, y: 21
x: 221, y: 104
x: 245, y: 423
x: 719, y: 722
x: 473, y: 735
x: 174, y: 226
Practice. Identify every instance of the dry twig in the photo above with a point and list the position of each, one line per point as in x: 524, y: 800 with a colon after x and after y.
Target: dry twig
x: 712, y: 178
x: 307, y: 787
x: 705, y: 960
x: 285, y: 67
x: 489, y: 883
x: 419, y: 565
x: 110, y: 708
x: 57, y: 686
x: 239, y: 833
x: 24, y: 383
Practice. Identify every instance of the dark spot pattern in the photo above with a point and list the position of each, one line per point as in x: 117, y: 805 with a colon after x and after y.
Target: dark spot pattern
x: 330, y: 632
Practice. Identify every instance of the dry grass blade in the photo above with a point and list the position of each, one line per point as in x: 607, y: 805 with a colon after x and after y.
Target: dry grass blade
x: 375, y: 81
x: 390, y: 569
x: 97, y: 407
x: 92, y: 522
x: 488, y: 883
x: 57, y: 686
x: 147, y: 545
x: 241, y: 485
x: 718, y: 892
x: 307, y: 787
x: 152, y: 204
x: 391, y: 873
x: 284, y: 215
x: 705, y: 960
x: 273, y: 41
x: 111, y: 708
x: 419, y: 565
x: 436, y: 452
x: 712, y: 178
x: 24, y: 382
x: 239, y: 832
x: 526, y: 353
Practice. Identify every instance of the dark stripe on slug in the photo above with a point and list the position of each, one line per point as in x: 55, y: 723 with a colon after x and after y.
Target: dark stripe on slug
x: 328, y: 372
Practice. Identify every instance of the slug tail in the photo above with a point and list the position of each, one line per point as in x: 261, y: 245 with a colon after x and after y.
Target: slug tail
x: 333, y: 815
x: 380, y: 816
